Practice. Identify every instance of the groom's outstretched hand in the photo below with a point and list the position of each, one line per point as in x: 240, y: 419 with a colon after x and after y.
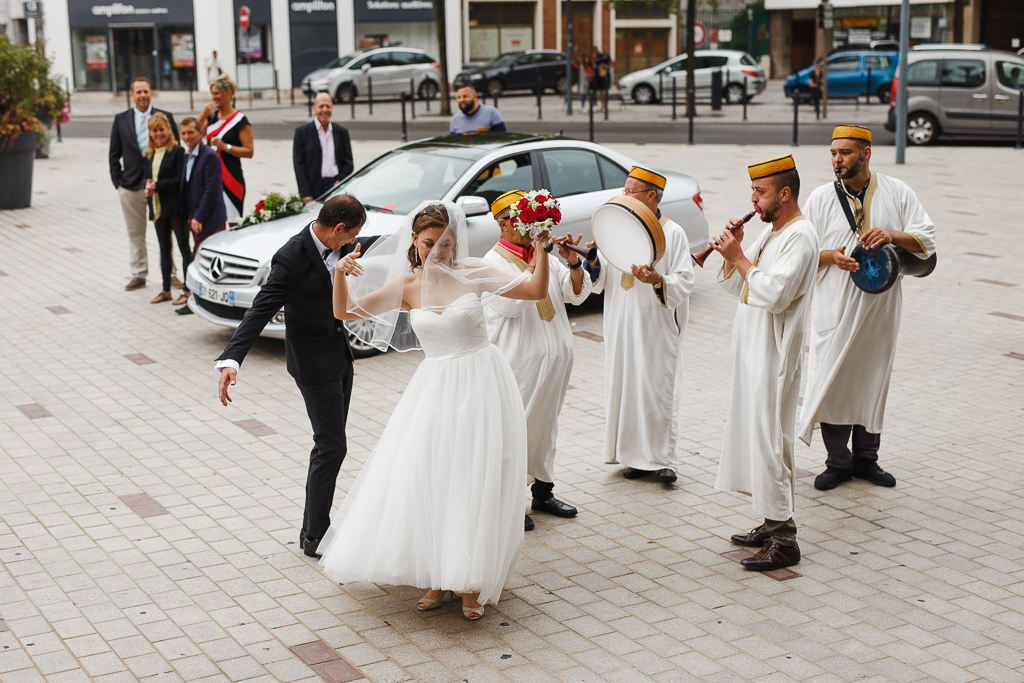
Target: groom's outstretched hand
x: 227, y: 378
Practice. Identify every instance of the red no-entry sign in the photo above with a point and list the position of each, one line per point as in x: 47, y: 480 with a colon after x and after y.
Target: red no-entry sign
x: 243, y: 18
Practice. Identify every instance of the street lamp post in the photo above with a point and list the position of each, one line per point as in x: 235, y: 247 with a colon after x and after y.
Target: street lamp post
x: 901, y: 88
x: 568, y: 62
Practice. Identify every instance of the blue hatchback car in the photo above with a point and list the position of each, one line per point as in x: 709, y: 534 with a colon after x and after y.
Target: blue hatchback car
x: 848, y: 75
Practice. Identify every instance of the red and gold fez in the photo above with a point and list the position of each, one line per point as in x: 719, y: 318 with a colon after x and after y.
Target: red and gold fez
x: 852, y: 132
x: 763, y: 169
x: 506, y: 200
x: 651, y: 177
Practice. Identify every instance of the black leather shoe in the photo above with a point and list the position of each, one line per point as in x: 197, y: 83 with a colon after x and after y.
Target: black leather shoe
x: 667, y: 475
x: 755, y: 538
x: 772, y: 556
x: 555, y: 507
x: 630, y: 473
x: 309, y: 548
x: 870, y: 470
x: 831, y: 478
x: 529, y: 524
x: 184, y: 310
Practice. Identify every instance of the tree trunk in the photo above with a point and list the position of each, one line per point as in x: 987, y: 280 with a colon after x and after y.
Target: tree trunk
x: 442, y: 46
x: 691, y: 94
x: 958, y: 21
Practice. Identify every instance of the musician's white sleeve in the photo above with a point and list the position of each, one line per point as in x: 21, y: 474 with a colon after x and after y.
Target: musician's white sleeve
x: 564, y: 275
x: 731, y: 281
x: 597, y: 286
x: 680, y: 280
x: 916, y: 221
x: 775, y: 288
x: 503, y: 306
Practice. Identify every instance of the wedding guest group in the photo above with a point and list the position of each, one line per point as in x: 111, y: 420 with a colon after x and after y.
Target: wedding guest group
x: 321, y: 152
x: 129, y: 140
x: 645, y: 316
x: 853, y: 345
x: 536, y: 338
x: 229, y: 133
x: 773, y: 280
x: 166, y: 164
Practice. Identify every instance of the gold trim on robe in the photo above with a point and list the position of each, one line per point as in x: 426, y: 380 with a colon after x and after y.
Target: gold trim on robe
x: 760, y: 252
x: 627, y: 281
x: 545, y: 309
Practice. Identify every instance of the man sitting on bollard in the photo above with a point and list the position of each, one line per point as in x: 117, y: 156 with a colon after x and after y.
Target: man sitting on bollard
x: 472, y: 116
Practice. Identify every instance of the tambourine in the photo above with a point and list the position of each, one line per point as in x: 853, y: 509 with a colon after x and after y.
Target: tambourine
x: 628, y: 233
x: 882, y: 266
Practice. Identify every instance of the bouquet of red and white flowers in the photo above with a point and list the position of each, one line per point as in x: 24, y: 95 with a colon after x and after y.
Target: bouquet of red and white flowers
x: 536, y: 212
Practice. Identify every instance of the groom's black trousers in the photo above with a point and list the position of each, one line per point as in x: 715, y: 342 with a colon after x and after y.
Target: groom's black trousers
x: 327, y: 407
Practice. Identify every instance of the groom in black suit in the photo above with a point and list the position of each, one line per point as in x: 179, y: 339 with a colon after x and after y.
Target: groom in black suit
x: 316, y: 347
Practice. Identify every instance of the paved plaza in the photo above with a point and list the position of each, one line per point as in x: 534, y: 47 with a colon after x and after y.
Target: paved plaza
x: 148, y: 533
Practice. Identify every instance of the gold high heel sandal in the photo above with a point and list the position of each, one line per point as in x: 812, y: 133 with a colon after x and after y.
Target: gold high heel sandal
x: 472, y: 613
x: 425, y: 604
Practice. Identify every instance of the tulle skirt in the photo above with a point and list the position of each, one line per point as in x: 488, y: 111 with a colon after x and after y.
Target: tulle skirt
x: 440, y: 502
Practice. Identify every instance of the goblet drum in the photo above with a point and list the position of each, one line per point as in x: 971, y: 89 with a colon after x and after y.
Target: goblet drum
x: 882, y: 266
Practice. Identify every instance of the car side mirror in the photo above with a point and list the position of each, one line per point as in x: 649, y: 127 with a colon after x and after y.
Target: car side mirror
x: 473, y: 206
x: 365, y: 67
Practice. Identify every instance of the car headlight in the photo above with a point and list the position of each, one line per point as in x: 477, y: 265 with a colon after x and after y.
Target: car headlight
x: 476, y: 77
x: 279, y: 317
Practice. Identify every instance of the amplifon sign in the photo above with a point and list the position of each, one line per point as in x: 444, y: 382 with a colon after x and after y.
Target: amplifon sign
x: 90, y: 13
x: 120, y: 9
x: 312, y: 6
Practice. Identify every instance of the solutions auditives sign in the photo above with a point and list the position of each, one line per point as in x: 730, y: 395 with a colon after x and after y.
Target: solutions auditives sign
x: 393, y: 10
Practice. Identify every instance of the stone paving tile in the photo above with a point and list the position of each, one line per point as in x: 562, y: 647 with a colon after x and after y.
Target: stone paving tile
x: 920, y: 582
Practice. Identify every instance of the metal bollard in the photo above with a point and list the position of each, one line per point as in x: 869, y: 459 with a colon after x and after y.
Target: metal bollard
x: 291, y: 93
x: 369, y: 92
x: 277, y: 89
x: 60, y: 137
x: 674, y: 81
x: 495, y: 100
x: 691, y: 105
x: 540, y: 116
x: 309, y: 104
x: 1020, y: 120
x: 590, y: 113
x: 661, y: 86
x: 191, y: 107
x: 405, y: 134
x: 796, y: 121
x: 412, y: 97
x: 605, y: 104
x: 352, y: 103
x: 745, y: 98
x: 67, y: 89
x: 867, y: 95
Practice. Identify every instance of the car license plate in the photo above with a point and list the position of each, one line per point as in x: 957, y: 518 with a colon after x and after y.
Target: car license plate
x: 217, y: 295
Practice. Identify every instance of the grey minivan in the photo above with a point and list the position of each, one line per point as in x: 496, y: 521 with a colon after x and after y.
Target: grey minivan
x: 960, y: 91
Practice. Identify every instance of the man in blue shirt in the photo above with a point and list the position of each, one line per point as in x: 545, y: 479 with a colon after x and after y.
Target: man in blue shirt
x: 472, y: 116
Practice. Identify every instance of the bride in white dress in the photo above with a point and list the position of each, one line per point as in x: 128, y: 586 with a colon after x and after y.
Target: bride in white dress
x: 439, y: 502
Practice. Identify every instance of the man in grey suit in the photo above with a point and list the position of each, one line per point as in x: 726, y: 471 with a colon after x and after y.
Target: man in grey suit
x: 129, y: 137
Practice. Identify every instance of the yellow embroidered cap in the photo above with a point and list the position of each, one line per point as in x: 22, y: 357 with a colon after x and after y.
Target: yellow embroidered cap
x: 763, y: 169
x: 854, y: 132
x: 647, y: 176
x: 506, y: 200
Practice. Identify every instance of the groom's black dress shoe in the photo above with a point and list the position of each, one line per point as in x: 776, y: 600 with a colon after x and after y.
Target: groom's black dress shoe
x: 308, y: 545
x: 529, y: 525
x: 667, y: 475
x: 630, y: 473
x: 553, y: 506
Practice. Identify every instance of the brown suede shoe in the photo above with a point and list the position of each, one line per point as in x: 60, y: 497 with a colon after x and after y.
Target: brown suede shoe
x: 176, y: 283
x: 136, y: 283
x: 755, y: 538
x: 772, y: 556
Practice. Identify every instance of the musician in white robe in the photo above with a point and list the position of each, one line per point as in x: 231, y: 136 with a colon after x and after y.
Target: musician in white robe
x: 773, y: 280
x: 853, y: 340
x: 645, y: 315
x: 536, y: 338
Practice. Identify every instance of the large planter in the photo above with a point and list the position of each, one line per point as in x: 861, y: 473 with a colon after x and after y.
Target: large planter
x: 16, y: 157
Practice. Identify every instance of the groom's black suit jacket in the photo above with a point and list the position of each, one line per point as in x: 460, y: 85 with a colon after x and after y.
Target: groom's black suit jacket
x: 316, y: 348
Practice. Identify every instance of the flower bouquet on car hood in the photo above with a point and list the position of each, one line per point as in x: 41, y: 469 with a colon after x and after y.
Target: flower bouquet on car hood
x: 272, y: 207
x: 534, y: 213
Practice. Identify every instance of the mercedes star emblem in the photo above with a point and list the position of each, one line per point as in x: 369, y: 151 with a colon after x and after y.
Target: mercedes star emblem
x: 216, y: 268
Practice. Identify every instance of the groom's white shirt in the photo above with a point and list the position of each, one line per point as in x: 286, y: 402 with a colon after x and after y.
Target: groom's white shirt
x: 330, y: 258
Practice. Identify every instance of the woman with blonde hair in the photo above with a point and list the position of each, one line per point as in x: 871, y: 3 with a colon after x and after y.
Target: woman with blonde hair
x: 163, y: 192
x: 228, y: 131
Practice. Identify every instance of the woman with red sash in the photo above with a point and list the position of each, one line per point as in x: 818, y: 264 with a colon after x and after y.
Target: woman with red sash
x: 229, y: 132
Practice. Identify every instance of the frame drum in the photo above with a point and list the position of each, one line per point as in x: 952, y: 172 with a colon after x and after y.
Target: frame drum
x: 628, y: 233
x: 882, y: 266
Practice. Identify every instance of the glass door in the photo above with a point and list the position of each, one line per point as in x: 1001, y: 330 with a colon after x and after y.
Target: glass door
x: 134, y: 55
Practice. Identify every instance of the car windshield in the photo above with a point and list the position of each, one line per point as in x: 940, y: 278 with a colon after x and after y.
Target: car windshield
x: 400, y: 180
x: 502, y: 60
x: 340, y: 61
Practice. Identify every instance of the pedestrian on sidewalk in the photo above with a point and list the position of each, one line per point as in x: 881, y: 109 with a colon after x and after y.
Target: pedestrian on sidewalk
x: 853, y: 340
x: 773, y: 280
x: 213, y: 70
x: 163, y: 189
x: 602, y: 62
x: 229, y: 133
x: 202, y: 190
x: 321, y: 152
x: 472, y: 116
x: 814, y: 82
x: 588, y: 82
x: 129, y: 138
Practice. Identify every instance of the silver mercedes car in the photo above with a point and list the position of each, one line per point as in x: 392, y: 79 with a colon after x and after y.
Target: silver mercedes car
x: 471, y: 170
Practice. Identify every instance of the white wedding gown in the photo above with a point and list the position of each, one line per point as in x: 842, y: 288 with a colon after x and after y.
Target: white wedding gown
x: 439, y: 503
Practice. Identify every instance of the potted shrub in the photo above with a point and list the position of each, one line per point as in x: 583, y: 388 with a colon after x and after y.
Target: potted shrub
x: 26, y: 87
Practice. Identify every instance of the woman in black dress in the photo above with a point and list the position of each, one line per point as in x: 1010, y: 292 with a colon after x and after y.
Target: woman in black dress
x: 229, y: 132
x: 165, y: 162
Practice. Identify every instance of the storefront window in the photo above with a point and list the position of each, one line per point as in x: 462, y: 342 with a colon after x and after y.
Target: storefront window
x: 177, y: 57
x: 89, y: 52
x: 499, y: 27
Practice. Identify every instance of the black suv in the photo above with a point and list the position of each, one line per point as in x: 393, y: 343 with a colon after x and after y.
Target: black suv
x: 526, y: 70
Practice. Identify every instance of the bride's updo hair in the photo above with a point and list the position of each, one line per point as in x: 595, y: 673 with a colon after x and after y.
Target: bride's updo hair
x: 432, y: 216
